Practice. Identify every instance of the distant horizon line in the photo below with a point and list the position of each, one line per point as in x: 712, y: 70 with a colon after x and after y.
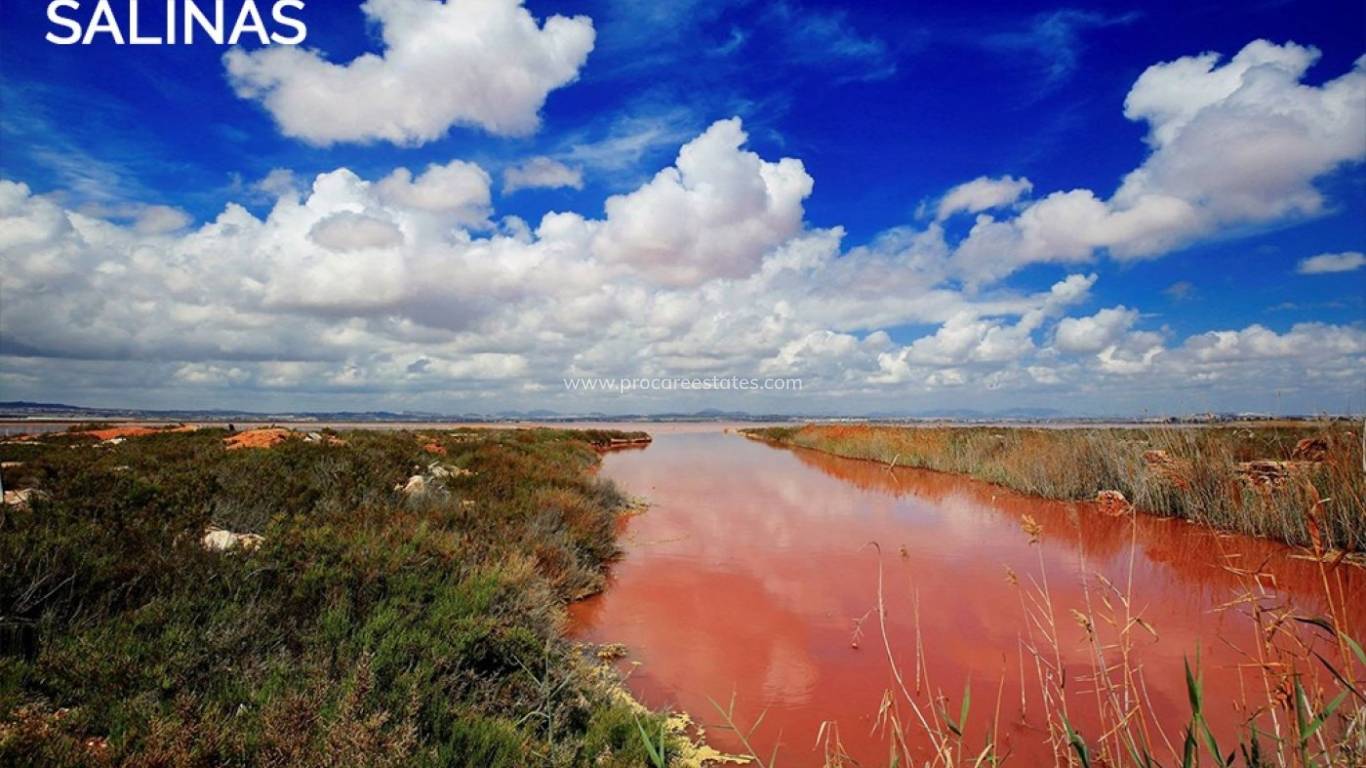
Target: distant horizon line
x: 38, y: 412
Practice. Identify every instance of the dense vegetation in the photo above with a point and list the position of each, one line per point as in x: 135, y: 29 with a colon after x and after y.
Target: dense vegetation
x: 368, y: 627
x: 1292, y: 483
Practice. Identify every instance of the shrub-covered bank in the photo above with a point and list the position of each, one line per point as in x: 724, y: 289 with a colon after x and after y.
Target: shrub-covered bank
x: 374, y: 622
x: 1291, y: 483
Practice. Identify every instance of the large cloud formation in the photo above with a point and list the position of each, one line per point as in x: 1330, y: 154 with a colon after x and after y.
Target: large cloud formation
x: 1232, y: 145
x: 715, y: 213
x: 483, y: 63
x: 407, y: 289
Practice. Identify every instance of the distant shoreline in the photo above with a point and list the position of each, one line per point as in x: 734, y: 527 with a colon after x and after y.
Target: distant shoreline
x: 10, y: 426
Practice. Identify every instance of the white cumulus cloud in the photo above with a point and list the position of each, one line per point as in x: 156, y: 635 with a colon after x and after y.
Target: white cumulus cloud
x: 481, y: 63
x: 404, y: 289
x: 457, y: 189
x: 1095, y: 332
x: 714, y: 213
x: 1233, y: 144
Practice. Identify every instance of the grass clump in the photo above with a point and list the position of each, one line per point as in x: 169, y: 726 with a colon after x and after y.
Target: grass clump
x: 367, y: 627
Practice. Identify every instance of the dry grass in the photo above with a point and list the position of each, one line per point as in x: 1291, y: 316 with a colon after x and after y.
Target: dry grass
x: 1246, y: 479
x: 1293, y: 713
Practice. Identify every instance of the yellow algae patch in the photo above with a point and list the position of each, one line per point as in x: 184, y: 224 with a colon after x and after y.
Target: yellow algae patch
x: 695, y: 753
x: 699, y: 752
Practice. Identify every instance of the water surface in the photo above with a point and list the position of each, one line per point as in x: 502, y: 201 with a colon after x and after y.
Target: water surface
x: 752, y: 574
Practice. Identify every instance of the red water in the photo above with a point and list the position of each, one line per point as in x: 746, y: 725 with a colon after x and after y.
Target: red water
x: 751, y: 571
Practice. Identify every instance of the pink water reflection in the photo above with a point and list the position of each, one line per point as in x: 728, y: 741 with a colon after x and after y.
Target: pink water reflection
x: 752, y: 569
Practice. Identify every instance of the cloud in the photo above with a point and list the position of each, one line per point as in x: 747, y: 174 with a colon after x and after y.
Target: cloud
x: 969, y: 337
x: 827, y: 39
x: 1179, y: 290
x: 1324, y: 263
x: 714, y: 213
x: 400, y: 289
x: 1055, y: 38
x: 1094, y: 333
x: 626, y: 142
x: 480, y: 63
x: 318, y: 301
x: 160, y: 220
x: 1242, y: 142
x: 277, y: 183
x: 38, y: 129
x: 837, y: 356
x: 1214, y: 350
x: 543, y: 173
x: 982, y: 194
x: 457, y: 189
x: 1171, y: 95
x: 347, y: 231
x: 1233, y: 145
x: 635, y: 25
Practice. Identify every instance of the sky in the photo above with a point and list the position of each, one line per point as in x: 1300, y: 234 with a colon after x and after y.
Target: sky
x: 1108, y: 209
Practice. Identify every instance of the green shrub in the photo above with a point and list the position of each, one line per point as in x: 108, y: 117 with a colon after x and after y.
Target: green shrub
x: 366, y: 629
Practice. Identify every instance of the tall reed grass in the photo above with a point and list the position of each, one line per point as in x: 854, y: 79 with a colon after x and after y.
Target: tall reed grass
x: 1204, y: 474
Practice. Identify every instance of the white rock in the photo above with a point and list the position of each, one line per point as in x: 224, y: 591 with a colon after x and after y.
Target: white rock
x: 20, y: 498
x: 219, y: 540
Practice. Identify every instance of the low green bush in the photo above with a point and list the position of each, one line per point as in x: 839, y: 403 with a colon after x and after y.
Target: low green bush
x: 367, y: 628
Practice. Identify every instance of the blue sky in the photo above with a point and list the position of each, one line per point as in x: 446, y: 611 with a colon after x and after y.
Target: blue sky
x: 887, y: 107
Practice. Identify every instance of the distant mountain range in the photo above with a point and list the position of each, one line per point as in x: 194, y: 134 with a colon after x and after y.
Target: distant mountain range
x: 970, y: 414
